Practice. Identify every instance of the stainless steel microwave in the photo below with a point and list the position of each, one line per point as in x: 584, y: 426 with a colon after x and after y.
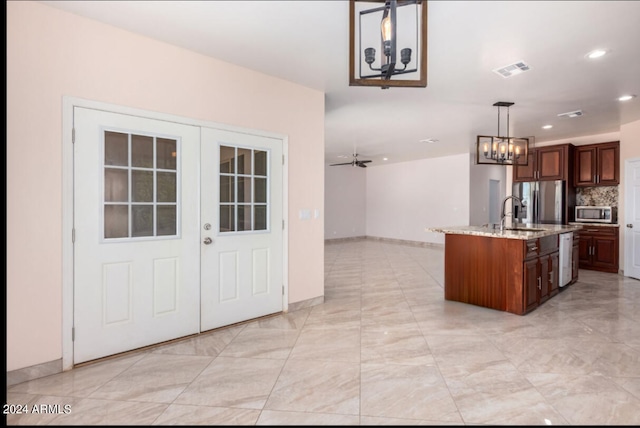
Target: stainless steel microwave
x: 600, y: 214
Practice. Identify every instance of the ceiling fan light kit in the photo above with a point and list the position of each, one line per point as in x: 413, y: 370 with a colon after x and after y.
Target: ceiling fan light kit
x: 386, y: 26
x: 497, y: 150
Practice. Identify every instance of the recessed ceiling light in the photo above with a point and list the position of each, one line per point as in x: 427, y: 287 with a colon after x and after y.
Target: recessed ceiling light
x: 429, y: 140
x: 596, y: 53
x: 385, y: 158
x: 626, y: 97
x: 547, y: 127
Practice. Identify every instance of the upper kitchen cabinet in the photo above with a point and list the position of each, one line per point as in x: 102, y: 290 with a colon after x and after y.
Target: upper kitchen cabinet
x: 597, y: 164
x: 545, y: 163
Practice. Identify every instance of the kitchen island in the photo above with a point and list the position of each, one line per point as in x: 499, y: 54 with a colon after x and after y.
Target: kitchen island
x: 513, y: 270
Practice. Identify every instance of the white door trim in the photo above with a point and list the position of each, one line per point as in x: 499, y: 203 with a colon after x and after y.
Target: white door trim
x: 68, y: 104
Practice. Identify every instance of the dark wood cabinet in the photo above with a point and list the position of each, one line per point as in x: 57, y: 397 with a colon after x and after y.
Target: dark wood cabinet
x: 541, y: 271
x: 597, y: 164
x: 575, y: 256
x: 511, y: 275
x: 598, y: 248
x: 545, y: 163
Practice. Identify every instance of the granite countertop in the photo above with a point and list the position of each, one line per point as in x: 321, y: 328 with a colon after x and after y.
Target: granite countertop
x: 583, y: 224
x: 510, y: 233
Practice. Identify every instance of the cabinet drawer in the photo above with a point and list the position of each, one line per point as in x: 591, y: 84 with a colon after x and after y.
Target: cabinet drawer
x: 599, y: 230
x: 531, y: 248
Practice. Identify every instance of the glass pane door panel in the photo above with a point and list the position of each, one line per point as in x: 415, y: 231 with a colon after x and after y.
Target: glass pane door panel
x: 260, y: 162
x: 260, y: 190
x: 244, y: 184
x: 244, y: 217
x: 227, y: 218
x: 116, y: 185
x: 116, y: 221
x: 244, y: 189
x: 166, y: 220
x: 142, y: 186
x: 116, y: 149
x: 260, y: 217
x: 167, y: 189
x: 166, y: 153
x: 142, y: 220
x: 227, y: 159
x: 140, y: 172
x: 244, y: 161
x: 141, y: 151
x: 227, y: 186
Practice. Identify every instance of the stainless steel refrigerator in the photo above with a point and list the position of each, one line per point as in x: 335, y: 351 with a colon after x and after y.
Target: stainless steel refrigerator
x: 544, y: 202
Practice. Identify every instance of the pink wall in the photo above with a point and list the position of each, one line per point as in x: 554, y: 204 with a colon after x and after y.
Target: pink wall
x: 51, y: 54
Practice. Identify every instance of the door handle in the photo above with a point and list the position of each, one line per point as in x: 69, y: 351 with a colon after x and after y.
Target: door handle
x: 630, y: 226
x: 207, y: 241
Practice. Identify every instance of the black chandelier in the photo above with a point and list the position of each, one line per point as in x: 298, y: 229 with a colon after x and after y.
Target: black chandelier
x: 388, y: 24
x: 492, y: 150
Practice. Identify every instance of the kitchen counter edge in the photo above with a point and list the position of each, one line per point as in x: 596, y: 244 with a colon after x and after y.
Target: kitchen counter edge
x: 548, y: 229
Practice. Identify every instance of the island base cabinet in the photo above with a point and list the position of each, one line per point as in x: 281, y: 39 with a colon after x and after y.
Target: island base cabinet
x: 511, y: 275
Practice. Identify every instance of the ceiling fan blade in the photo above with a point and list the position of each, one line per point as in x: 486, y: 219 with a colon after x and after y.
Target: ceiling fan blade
x: 361, y: 165
x: 365, y: 161
x: 346, y: 163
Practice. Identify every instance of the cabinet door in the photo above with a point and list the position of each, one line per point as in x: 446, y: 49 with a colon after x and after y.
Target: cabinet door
x: 531, y: 277
x: 553, y: 275
x: 584, y: 252
x: 605, y: 253
x: 527, y: 172
x: 575, y: 263
x: 608, y: 161
x: 585, y: 165
x: 543, y: 282
x: 551, y: 162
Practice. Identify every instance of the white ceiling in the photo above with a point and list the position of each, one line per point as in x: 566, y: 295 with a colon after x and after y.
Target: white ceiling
x: 307, y: 42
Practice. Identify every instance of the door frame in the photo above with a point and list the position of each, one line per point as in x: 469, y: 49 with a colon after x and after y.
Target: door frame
x: 68, y: 105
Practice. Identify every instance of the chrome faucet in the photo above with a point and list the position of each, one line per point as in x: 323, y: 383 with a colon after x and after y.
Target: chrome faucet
x: 503, y: 215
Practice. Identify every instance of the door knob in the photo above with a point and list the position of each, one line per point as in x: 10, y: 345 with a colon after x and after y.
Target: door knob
x: 630, y: 226
x: 207, y: 241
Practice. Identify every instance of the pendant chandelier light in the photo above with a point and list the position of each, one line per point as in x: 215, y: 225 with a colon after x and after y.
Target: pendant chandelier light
x: 492, y: 150
x: 388, y: 43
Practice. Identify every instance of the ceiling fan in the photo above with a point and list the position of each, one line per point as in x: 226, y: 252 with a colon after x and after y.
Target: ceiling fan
x: 354, y: 162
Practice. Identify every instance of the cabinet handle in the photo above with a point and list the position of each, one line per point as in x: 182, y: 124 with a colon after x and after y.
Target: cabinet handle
x: 533, y: 248
x: 539, y: 283
x: 551, y: 276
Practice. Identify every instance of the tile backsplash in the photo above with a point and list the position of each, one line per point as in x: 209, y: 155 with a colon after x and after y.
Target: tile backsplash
x: 594, y: 196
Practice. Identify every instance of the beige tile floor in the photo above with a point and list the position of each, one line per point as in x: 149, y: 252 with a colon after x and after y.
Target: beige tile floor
x: 385, y: 348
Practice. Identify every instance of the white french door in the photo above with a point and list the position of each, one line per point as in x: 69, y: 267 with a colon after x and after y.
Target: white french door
x: 136, y: 249
x: 177, y: 230
x: 242, y: 222
x: 632, y: 219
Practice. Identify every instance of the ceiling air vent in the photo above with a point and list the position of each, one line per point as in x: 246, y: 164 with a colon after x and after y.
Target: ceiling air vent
x: 576, y: 113
x: 512, y: 69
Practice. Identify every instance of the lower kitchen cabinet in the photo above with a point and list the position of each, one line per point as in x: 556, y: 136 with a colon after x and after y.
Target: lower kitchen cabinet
x: 598, y: 248
x: 575, y: 255
x: 541, y: 271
